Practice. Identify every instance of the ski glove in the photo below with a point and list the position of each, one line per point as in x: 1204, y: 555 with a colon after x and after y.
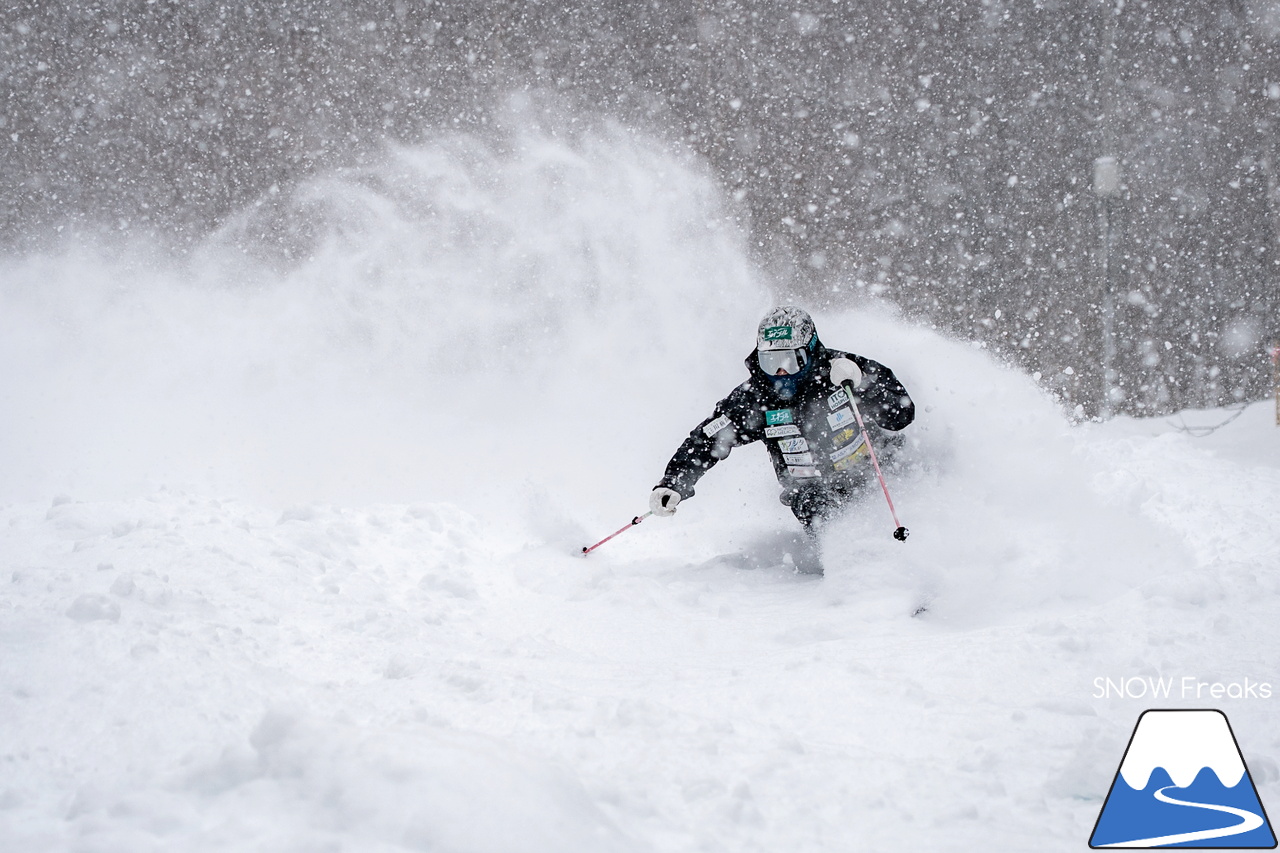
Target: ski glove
x: 845, y: 369
x: 663, y: 501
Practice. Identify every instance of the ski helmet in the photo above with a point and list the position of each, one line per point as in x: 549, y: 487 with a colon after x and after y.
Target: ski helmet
x: 784, y: 341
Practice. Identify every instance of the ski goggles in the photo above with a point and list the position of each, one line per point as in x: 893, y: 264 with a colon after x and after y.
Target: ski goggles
x: 787, y: 361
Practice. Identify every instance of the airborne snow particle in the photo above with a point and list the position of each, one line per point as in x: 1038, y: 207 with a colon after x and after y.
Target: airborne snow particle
x: 1239, y: 338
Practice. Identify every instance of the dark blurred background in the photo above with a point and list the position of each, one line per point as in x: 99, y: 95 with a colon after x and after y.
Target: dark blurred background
x: 1086, y: 187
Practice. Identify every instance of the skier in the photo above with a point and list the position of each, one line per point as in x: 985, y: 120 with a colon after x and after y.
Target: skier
x: 794, y: 401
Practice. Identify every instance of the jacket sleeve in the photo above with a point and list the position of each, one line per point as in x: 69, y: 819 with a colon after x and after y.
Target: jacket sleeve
x: 736, y: 421
x: 882, y: 397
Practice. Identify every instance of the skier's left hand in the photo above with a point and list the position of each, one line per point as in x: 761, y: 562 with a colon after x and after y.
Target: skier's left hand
x: 845, y: 370
x: 663, y: 502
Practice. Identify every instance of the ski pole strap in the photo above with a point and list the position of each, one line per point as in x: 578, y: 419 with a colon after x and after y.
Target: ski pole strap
x: 639, y: 518
x: 899, y: 532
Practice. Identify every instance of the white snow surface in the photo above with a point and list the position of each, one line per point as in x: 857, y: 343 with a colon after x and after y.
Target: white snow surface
x: 1183, y: 743
x: 288, y: 551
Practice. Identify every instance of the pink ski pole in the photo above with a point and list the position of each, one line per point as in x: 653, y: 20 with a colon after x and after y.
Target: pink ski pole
x: 900, y: 532
x: 639, y: 518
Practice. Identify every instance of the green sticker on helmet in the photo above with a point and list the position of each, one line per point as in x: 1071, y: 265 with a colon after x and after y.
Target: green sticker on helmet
x: 777, y: 333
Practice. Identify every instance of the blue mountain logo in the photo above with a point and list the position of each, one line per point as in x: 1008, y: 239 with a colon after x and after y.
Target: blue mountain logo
x: 1183, y: 783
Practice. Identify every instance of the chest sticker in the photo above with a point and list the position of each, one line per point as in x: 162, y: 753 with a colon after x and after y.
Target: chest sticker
x: 793, y: 445
x: 802, y: 471
x: 848, y: 450
x: 842, y: 436
x: 779, y: 431
x: 837, y: 399
x: 716, y: 425
x: 859, y: 453
x: 798, y: 458
x: 778, y: 416
x: 840, y: 418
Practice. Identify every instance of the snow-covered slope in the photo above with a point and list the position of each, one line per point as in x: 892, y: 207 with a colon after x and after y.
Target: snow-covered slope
x: 289, y: 562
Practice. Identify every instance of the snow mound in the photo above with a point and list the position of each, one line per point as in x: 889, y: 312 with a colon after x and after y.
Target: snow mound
x: 297, y: 784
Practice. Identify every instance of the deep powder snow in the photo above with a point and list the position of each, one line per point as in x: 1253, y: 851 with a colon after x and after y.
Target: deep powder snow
x: 288, y: 546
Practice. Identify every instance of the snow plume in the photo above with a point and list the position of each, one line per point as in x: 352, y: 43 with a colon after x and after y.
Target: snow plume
x: 524, y: 325
x: 398, y: 330
x: 999, y: 490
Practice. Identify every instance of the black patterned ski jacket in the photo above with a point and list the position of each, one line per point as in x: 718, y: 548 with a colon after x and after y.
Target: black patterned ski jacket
x: 812, y: 437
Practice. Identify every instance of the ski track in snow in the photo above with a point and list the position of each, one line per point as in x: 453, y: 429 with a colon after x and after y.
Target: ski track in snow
x: 337, y: 628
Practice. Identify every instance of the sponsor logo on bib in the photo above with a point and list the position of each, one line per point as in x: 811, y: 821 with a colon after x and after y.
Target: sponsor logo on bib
x: 778, y: 416
x: 850, y: 461
x: 842, y: 436
x: 840, y: 418
x: 848, y: 456
x: 779, y: 431
x: 798, y: 458
x: 848, y: 450
x: 716, y: 425
x: 793, y: 445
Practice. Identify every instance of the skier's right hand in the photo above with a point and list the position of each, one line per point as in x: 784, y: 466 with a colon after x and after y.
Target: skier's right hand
x: 663, y: 501
x: 845, y: 370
